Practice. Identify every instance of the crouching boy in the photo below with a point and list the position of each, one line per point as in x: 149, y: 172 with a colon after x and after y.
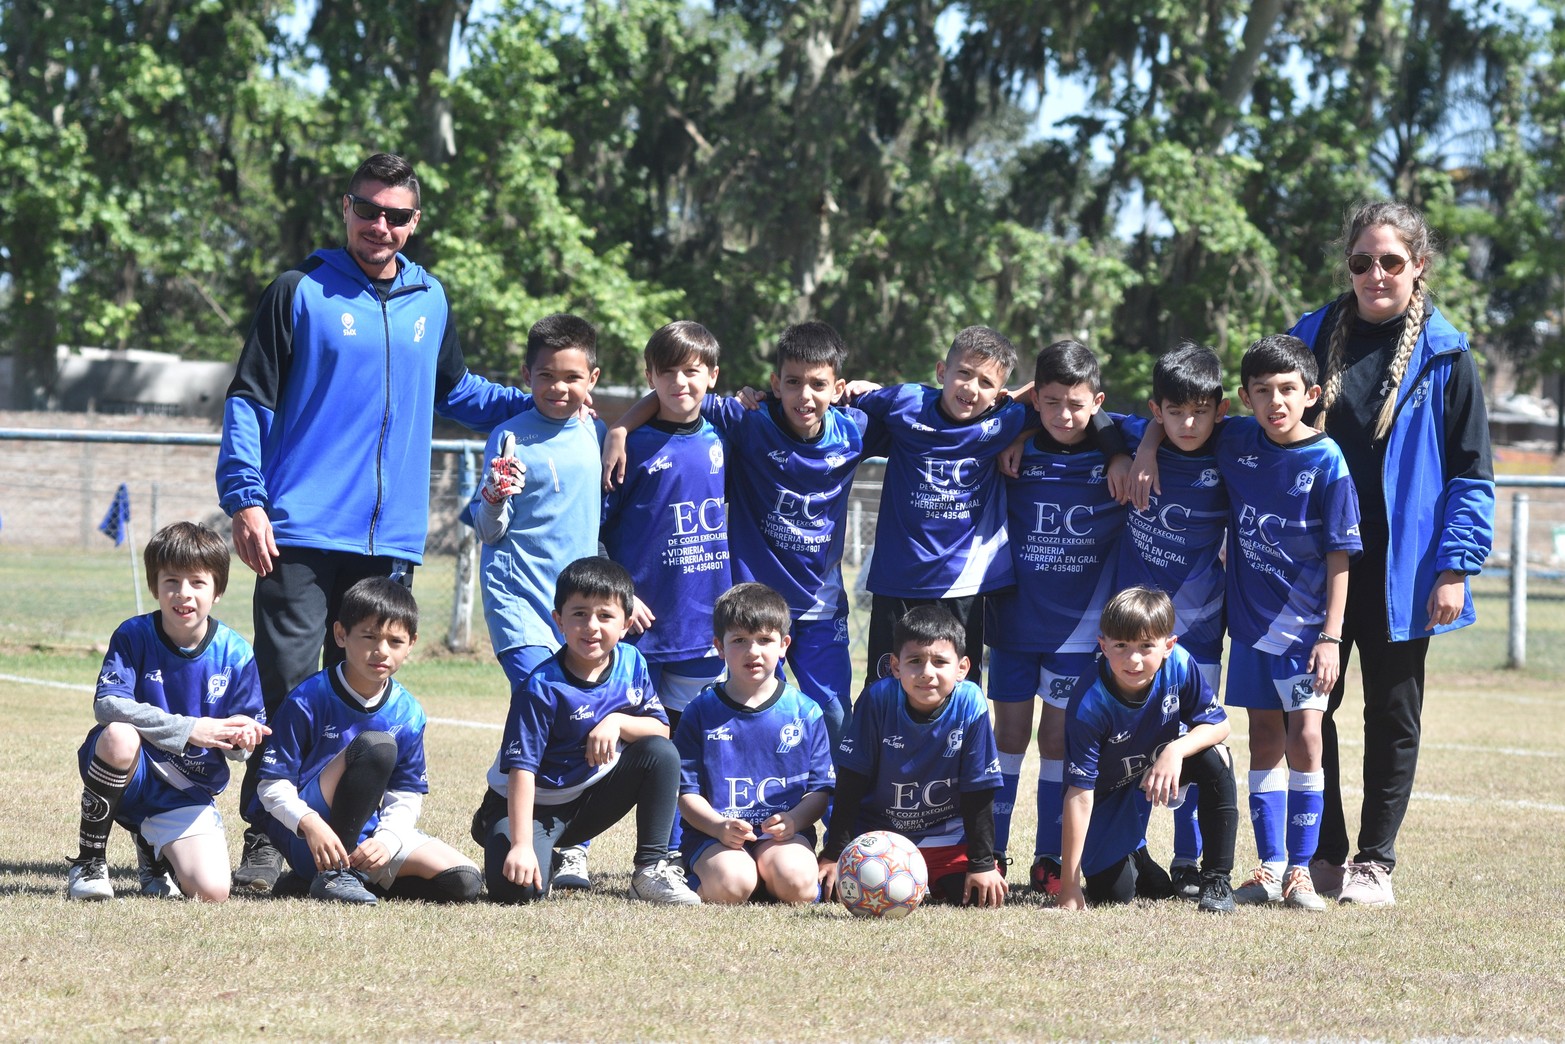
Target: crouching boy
x: 755, y: 762
x: 1138, y: 731
x: 586, y: 740
x: 342, y: 777
x: 178, y: 693
x: 919, y: 759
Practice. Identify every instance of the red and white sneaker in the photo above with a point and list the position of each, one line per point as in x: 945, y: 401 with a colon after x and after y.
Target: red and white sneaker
x: 1045, y: 876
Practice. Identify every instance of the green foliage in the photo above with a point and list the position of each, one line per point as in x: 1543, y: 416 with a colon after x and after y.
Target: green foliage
x: 750, y: 163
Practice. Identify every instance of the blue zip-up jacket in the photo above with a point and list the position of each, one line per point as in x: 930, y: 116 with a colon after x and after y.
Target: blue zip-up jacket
x: 1436, y: 472
x: 328, y: 419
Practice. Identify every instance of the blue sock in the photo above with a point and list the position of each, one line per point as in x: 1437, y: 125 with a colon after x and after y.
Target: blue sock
x: 1269, y: 813
x: 1051, y: 804
x: 1306, y: 800
x: 1187, y: 830
x: 1005, y: 800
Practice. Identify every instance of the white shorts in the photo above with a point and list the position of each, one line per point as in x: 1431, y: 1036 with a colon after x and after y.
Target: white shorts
x: 176, y: 824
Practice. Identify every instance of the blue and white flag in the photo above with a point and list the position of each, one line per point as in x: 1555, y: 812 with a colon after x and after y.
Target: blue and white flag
x: 117, y: 521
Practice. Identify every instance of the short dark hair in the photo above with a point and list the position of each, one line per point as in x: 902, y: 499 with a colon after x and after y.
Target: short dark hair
x: 381, y: 599
x: 1188, y: 375
x: 681, y: 339
x: 595, y: 577
x: 1137, y: 612
x: 1069, y: 363
x: 988, y: 345
x: 187, y: 547
x: 925, y: 625
x: 1277, y: 354
x: 557, y: 332
x: 390, y: 170
x: 750, y: 608
x: 813, y: 344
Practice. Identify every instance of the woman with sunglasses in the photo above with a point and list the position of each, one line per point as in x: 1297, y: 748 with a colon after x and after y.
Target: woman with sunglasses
x: 1401, y: 396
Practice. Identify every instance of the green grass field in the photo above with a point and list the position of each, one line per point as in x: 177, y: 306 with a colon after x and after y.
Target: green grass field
x: 1472, y: 950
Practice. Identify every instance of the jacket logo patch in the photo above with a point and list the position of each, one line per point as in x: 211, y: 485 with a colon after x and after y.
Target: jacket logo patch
x: 347, y: 325
x: 1420, y: 394
x: 418, y: 329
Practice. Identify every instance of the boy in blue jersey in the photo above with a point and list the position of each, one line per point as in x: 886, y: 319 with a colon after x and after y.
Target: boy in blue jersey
x: 531, y: 530
x: 538, y: 508
x: 1064, y: 527
x: 343, y: 778
x: 940, y: 536
x: 585, y: 741
x: 755, y: 764
x: 177, y: 694
x: 668, y: 522
x: 919, y: 759
x: 1293, y: 524
x: 1174, y: 538
x: 792, y: 466
x: 1140, y: 730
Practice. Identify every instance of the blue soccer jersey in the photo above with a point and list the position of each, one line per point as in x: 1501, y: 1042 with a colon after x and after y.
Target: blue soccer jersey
x: 668, y: 525
x: 919, y: 770
x: 322, y: 716
x: 752, y: 763
x: 552, y: 713
x: 1109, y: 744
x: 1289, y: 507
x: 941, y: 530
x: 787, y: 499
x: 1176, y: 544
x: 215, y: 680
x: 1065, y: 528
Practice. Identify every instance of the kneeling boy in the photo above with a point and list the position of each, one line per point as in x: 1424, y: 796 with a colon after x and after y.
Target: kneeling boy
x: 586, y: 740
x: 1137, y: 730
x: 919, y: 759
x: 755, y: 763
x: 342, y: 778
x: 177, y: 694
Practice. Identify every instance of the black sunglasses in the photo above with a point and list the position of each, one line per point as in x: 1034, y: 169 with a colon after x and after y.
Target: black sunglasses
x: 1390, y: 264
x: 396, y: 217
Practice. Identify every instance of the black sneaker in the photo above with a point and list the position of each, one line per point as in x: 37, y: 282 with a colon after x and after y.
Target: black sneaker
x: 258, y: 870
x: 342, y: 886
x: 1187, y: 881
x: 1217, y: 894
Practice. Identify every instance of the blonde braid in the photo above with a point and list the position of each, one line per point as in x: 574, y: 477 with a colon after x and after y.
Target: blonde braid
x: 1347, y: 312
x: 1412, y: 326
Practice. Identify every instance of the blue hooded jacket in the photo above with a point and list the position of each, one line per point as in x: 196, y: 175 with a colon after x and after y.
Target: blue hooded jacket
x: 328, y: 420
x: 1436, y: 472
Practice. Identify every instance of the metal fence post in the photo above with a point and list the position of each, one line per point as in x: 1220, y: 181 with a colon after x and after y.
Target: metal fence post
x: 1518, y: 630
x: 460, y: 637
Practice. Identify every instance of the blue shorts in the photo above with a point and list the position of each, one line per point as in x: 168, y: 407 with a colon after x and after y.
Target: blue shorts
x: 520, y: 661
x: 152, y: 806
x: 1015, y: 677
x: 821, y: 661
x: 1267, y: 681
x: 680, y: 681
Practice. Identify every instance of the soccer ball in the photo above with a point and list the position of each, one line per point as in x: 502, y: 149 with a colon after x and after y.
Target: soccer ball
x: 882, y: 874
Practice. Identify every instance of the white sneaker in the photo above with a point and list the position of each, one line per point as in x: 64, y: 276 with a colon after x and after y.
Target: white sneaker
x: 662, y: 882
x: 1367, y: 884
x: 571, y: 873
x: 88, y: 879
x: 156, y: 877
x: 1261, y: 888
x: 1298, y: 891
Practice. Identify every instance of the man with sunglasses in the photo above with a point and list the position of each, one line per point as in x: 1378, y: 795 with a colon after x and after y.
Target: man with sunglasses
x: 324, y: 465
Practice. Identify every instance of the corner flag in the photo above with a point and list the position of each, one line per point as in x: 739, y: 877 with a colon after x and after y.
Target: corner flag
x: 117, y: 521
